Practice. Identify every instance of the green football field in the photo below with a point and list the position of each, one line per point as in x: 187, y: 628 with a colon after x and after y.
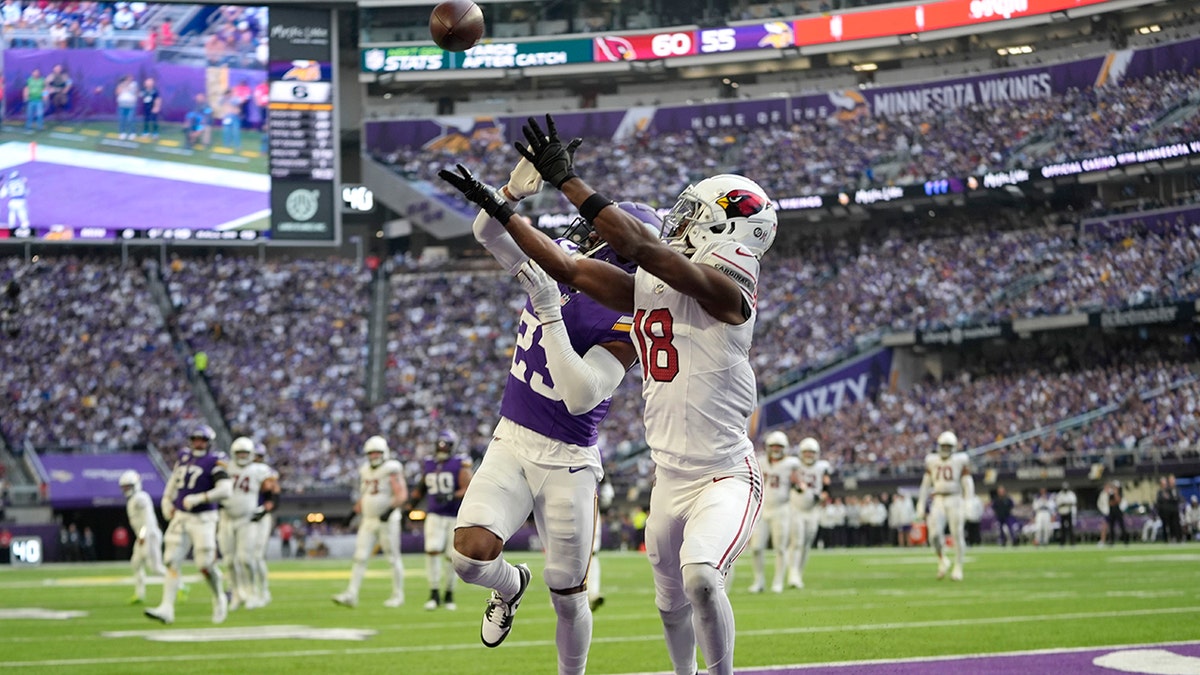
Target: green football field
x: 858, y: 605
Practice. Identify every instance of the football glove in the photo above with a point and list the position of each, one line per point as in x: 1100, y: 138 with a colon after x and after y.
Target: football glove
x: 192, y: 501
x: 485, y: 196
x: 543, y: 292
x: 524, y: 181
x: 553, y: 160
x: 258, y: 514
x: 386, y: 515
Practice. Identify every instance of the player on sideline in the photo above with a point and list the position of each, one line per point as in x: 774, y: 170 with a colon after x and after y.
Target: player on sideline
x: 238, y: 531
x: 147, y: 550
x: 693, y: 300
x: 268, y: 499
x: 777, y: 468
x: 381, y: 493
x: 16, y: 190
x: 948, y: 477
x: 197, y: 485
x: 445, y: 481
x: 571, y: 354
x: 810, y: 486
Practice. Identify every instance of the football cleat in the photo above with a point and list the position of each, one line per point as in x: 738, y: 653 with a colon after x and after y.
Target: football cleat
x: 596, y: 604
x: 160, y: 613
x: 777, y: 588
x: 235, y: 600
x: 448, y: 601
x: 757, y: 587
x: 944, y: 566
x: 956, y: 575
x: 433, y: 601
x: 498, y: 617
x: 345, y: 600
x: 795, y: 580
x: 396, y: 600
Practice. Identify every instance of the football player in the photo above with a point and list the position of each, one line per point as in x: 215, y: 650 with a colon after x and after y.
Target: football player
x: 1043, y: 520
x: 381, y: 492
x: 571, y: 354
x: 445, y: 480
x: 948, y: 478
x: 238, y: 531
x: 147, y: 550
x: 692, y: 297
x: 198, y: 483
x: 776, y: 524
x: 268, y: 501
x: 810, y: 489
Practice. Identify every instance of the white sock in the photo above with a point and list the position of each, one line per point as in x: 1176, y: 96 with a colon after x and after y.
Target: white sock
x: 497, y: 574
x: 356, y: 577
x: 573, y: 633
x: 433, y: 569
x: 451, y: 577
x: 170, y: 588
x: 397, y: 576
x: 139, y: 582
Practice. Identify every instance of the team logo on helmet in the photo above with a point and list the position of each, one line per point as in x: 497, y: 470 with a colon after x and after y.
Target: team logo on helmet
x: 740, y: 203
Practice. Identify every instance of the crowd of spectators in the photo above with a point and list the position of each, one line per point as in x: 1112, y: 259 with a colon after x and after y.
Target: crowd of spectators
x: 286, y: 344
x: 823, y: 156
x: 70, y: 25
x: 90, y: 362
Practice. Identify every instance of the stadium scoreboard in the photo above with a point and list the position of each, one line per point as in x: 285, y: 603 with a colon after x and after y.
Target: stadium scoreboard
x: 302, y: 139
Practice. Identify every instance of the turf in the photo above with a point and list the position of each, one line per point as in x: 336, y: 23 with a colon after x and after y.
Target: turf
x: 858, y: 604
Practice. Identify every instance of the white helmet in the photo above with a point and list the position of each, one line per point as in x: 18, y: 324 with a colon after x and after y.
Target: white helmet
x: 242, y: 450
x: 130, y: 482
x: 724, y: 207
x: 373, y: 445
x: 947, y: 443
x: 810, y: 450
x: 777, y: 443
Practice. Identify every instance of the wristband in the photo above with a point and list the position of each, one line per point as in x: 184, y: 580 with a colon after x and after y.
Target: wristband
x: 503, y: 213
x: 592, y: 206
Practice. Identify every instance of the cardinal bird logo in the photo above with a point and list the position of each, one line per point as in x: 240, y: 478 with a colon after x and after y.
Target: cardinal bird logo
x: 740, y: 203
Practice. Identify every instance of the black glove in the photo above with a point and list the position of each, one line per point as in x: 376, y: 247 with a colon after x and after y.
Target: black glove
x: 547, y: 153
x: 487, y: 197
x: 258, y: 514
x: 383, y: 518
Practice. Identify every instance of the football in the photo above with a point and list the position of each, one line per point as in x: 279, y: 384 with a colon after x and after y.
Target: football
x: 456, y: 25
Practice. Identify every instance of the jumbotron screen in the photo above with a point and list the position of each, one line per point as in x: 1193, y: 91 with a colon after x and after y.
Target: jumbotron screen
x: 143, y: 121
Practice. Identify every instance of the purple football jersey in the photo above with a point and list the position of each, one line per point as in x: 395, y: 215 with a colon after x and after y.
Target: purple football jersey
x: 529, y: 399
x: 198, y: 473
x: 441, y: 482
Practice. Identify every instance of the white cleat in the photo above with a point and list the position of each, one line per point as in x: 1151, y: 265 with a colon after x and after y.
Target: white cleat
x: 944, y: 566
x: 235, y: 602
x: 777, y: 588
x: 756, y: 588
x: 394, y: 601
x: 498, y: 617
x: 795, y: 581
x: 160, y: 613
x: 956, y: 575
x: 448, y: 601
x: 254, y: 603
x: 345, y: 600
x: 431, y: 604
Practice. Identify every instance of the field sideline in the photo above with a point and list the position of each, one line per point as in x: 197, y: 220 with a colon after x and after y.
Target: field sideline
x: 859, y: 605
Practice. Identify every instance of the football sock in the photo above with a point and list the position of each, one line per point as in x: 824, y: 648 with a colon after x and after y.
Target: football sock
x: 433, y: 569
x: 397, y: 576
x: 139, y: 581
x: 356, y: 577
x: 712, y: 617
x: 170, y: 587
x: 496, y: 574
x: 573, y: 633
x: 451, y: 577
x: 681, y: 639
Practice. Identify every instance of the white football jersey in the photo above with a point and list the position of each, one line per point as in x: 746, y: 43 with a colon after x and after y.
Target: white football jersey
x: 247, y: 483
x: 812, y: 479
x: 946, y: 474
x: 697, y: 380
x: 777, y: 480
x: 140, y: 509
x: 1043, y: 504
x: 375, y: 487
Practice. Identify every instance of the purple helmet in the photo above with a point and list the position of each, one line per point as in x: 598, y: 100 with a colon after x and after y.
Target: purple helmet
x: 582, y: 234
x: 447, y: 440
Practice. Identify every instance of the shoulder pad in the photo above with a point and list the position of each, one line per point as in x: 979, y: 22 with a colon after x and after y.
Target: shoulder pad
x: 732, y: 259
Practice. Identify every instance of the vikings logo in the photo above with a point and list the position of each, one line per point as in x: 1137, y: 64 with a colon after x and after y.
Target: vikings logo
x: 779, y: 35
x: 740, y: 203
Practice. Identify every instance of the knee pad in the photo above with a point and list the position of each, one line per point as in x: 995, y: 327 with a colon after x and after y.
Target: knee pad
x: 561, y: 581
x: 701, y: 582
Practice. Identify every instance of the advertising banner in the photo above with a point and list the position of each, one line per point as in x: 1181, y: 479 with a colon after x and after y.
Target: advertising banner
x: 848, y: 383
x: 80, y: 481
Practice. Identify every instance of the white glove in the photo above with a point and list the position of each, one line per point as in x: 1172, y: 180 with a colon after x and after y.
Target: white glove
x: 168, y: 511
x: 543, y: 292
x: 192, y: 501
x: 524, y: 181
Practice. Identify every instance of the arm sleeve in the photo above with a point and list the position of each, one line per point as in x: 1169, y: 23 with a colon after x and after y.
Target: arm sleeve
x: 222, y: 490
x: 498, y: 242
x: 923, y: 496
x: 582, y: 381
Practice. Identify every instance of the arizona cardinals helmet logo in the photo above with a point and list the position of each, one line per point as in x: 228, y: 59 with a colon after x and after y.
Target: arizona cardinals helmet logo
x: 740, y: 203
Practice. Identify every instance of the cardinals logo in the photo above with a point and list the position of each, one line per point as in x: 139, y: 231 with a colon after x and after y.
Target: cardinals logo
x: 740, y: 203
x: 614, y: 48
